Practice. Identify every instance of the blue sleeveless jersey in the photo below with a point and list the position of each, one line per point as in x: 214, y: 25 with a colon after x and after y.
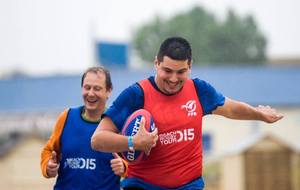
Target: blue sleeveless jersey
x: 80, y: 166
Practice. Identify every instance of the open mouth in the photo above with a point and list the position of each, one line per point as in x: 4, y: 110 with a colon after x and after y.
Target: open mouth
x: 91, y: 101
x: 172, y: 84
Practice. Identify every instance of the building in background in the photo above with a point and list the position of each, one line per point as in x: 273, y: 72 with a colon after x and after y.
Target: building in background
x: 262, y: 162
x: 112, y: 54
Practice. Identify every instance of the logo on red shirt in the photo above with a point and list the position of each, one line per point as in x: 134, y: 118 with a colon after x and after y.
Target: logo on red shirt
x: 190, y: 107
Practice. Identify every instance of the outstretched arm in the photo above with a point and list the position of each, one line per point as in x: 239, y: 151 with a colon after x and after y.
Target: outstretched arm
x: 239, y: 110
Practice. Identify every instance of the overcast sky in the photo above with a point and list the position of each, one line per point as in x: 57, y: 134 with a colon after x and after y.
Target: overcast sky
x: 50, y: 36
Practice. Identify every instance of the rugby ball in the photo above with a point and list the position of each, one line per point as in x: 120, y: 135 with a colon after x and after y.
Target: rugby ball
x: 131, y: 127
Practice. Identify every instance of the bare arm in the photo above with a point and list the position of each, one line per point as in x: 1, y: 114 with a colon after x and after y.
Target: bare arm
x: 107, y: 139
x: 239, y: 110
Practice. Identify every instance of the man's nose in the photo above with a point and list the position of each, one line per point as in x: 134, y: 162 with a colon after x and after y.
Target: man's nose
x: 173, y: 77
x: 91, y: 93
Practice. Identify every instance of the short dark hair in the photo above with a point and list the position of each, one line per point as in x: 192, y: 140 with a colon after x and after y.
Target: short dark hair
x: 100, y: 69
x: 176, y: 48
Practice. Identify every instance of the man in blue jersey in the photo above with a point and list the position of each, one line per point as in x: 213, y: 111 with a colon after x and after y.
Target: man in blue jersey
x: 177, y: 104
x: 68, y: 154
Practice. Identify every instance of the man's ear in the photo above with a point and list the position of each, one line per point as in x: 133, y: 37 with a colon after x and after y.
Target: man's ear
x: 108, y: 93
x: 190, y: 64
x: 156, y: 62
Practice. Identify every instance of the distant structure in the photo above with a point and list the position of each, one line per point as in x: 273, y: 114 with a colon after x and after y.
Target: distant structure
x: 262, y: 162
x: 112, y: 54
x: 284, y: 60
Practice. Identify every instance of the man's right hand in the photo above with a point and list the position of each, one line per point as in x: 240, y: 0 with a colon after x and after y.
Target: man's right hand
x: 144, y: 140
x: 52, y: 165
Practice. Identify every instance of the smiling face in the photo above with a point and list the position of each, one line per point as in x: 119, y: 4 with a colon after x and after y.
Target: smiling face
x: 94, y: 93
x: 171, y: 74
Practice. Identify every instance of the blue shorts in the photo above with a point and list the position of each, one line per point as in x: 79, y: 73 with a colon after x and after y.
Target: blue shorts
x: 197, y: 184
